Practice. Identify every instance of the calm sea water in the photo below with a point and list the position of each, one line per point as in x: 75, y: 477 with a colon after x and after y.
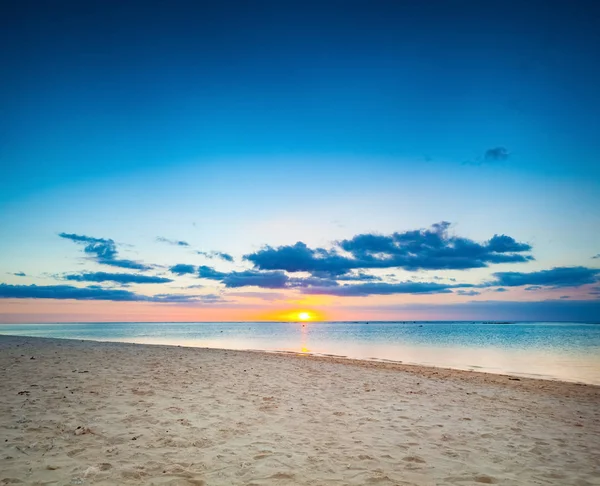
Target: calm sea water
x: 565, y: 351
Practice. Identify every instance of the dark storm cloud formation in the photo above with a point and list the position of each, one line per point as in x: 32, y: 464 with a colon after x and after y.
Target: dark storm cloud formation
x: 104, y: 251
x: 162, y: 239
x: 217, y: 254
x: 117, y: 277
x: 88, y: 293
x: 425, y: 249
x: 557, y: 277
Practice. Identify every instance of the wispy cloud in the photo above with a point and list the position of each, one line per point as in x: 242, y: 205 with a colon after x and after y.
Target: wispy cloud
x: 596, y: 256
x: 117, y: 277
x: 363, y: 290
x: 468, y: 292
x: 103, y: 251
x: 490, y: 156
x: 162, y: 239
x: 217, y: 254
x: 269, y: 296
x: 496, y: 154
x: 18, y: 274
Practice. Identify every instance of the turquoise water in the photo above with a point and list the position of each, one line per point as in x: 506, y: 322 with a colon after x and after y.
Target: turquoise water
x: 566, y: 351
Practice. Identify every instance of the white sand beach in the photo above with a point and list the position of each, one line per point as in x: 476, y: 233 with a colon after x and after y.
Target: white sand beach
x: 74, y: 412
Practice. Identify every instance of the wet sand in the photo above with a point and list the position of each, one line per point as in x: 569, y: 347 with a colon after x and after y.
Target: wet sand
x: 75, y: 412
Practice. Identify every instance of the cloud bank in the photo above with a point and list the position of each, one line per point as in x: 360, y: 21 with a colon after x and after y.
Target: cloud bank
x: 557, y: 277
x: 64, y: 292
x: 123, y: 278
x: 425, y: 249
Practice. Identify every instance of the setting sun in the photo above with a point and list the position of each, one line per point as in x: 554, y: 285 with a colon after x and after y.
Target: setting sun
x: 304, y: 316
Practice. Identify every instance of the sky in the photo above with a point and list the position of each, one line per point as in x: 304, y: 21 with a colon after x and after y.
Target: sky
x: 232, y: 161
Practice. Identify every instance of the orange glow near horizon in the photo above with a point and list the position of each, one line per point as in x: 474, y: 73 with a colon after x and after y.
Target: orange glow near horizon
x: 303, y: 315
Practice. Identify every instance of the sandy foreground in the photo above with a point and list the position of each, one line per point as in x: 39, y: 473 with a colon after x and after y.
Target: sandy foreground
x: 74, y: 412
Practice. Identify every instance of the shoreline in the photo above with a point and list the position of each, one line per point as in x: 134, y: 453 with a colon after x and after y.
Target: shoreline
x: 425, y: 369
x: 92, y: 412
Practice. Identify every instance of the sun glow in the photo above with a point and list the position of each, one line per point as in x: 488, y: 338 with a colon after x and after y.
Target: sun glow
x: 304, y: 316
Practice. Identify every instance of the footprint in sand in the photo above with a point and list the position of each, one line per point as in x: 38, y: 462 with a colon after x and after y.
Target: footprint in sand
x: 485, y: 479
x: 415, y: 459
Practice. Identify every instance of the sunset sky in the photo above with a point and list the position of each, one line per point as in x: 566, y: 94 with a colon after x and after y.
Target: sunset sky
x: 198, y: 161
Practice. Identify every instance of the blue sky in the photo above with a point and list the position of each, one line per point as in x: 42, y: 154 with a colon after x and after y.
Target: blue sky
x: 232, y: 127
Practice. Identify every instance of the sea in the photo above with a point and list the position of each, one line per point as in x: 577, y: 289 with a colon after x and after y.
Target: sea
x: 567, y: 351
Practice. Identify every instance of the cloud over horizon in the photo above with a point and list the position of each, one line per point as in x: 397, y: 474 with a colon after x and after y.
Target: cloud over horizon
x: 366, y: 289
x: 66, y: 292
x: 557, y: 277
x: 117, y: 277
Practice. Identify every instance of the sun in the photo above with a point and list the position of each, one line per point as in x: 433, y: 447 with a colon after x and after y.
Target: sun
x: 304, y: 316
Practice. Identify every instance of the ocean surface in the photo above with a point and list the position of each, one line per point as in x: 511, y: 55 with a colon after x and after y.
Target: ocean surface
x: 564, y: 351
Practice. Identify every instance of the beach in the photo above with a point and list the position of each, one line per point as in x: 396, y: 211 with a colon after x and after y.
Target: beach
x: 83, y: 412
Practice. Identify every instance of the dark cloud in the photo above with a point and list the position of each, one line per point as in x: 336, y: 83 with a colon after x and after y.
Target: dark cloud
x: 210, y: 273
x: 65, y: 292
x: 557, y: 277
x: 496, y: 154
x: 500, y: 289
x: 267, y: 280
x: 468, y: 292
x: 595, y: 290
x: 426, y: 249
x: 182, y: 269
x: 217, y: 254
x: 270, y: 296
x: 564, y: 297
x: 534, y: 287
x: 19, y: 274
x: 104, y: 251
x: 93, y: 292
x: 366, y: 289
x: 162, y: 239
x: 123, y: 278
x: 596, y: 256
x: 301, y: 258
